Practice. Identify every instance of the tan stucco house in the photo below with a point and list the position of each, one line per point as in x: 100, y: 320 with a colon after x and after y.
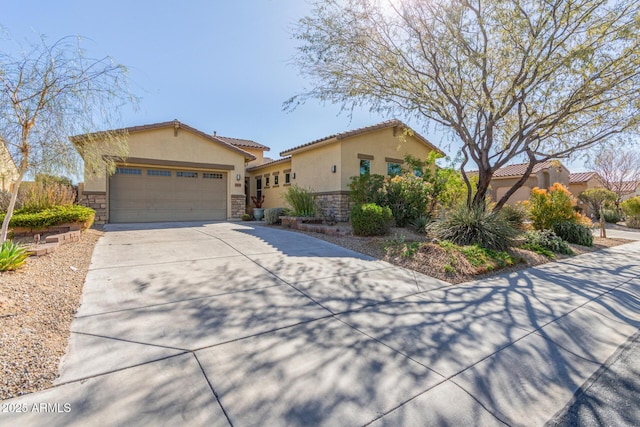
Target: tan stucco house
x: 177, y: 173
x: 8, y: 169
x: 544, y: 175
x: 326, y: 165
x: 173, y: 173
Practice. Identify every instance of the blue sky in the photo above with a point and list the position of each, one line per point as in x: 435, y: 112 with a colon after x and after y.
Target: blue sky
x: 216, y: 65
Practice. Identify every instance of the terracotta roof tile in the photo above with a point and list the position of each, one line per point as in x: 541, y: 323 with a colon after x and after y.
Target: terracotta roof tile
x: 575, y: 178
x: 242, y: 142
x: 354, y: 132
x: 269, y: 163
x: 520, y: 168
x: 172, y: 124
x: 626, y: 187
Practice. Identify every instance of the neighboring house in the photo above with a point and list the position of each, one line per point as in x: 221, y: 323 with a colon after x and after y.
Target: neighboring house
x: 544, y: 175
x: 326, y: 165
x: 582, y: 181
x: 628, y: 189
x: 8, y: 170
x: 173, y: 173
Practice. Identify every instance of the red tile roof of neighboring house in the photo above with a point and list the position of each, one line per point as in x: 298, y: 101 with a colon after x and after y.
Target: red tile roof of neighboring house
x: 577, y: 177
x: 176, y: 124
x: 269, y: 162
x: 626, y: 187
x: 520, y: 168
x: 350, y: 133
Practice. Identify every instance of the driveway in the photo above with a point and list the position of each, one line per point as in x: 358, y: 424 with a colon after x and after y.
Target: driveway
x: 239, y: 324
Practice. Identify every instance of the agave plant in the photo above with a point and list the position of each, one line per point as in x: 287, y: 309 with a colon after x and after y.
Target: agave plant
x: 12, y: 256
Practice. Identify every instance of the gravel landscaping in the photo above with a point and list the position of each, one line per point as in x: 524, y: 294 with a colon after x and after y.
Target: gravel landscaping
x: 37, y: 305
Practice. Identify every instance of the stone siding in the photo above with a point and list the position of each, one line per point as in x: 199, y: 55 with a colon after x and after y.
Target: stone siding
x: 98, y: 202
x: 339, y: 203
x: 237, y: 206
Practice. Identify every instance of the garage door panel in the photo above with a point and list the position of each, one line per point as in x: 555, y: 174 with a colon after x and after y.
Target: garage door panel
x: 148, y: 194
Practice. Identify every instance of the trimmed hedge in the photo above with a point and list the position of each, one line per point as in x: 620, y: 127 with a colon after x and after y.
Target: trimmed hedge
x: 272, y: 215
x: 52, y: 216
x: 370, y: 220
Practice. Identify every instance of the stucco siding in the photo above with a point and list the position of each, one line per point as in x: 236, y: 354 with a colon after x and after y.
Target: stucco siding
x: 313, y: 168
x: 184, y: 151
x: 383, y: 144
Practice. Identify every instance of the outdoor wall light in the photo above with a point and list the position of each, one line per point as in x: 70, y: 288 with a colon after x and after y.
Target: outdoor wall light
x: 293, y: 176
x: 334, y: 168
x: 238, y: 177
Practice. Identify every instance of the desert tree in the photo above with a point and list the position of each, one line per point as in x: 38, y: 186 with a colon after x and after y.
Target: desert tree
x: 49, y: 92
x: 616, y: 164
x: 596, y: 199
x: 527, y: 79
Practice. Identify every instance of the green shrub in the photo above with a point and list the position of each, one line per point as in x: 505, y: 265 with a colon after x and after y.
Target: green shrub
x: 420, y: 224
x: 246, y: 217
x: 631, y: 209
x: 464, y: 226
x: 547, y: 239
x: 368, y: 188
x: 408, y: 197
x: 611, y: 216
x: 53, y: 216
x: 302, y: 201
x: 550, y: 207
x: 12, y: 256
x: 573, y: 233
x: 272, y: 215
x: 516, y: 214
x: 538, y: 249
x: 370, y: 220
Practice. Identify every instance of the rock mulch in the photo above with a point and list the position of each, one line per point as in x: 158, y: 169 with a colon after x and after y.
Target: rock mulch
x: 37, y: 305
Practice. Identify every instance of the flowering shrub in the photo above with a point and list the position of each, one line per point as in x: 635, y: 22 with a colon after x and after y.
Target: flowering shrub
x: 551, y: 207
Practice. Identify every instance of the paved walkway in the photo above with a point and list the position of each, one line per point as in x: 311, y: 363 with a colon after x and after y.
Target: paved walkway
x: 233, y: 324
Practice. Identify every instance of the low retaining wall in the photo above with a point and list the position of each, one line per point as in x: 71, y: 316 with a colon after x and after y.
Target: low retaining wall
x: 314, y: 225
x: 58, y: 229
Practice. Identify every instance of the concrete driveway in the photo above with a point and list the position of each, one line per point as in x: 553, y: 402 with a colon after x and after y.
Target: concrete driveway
x: 239, y: 324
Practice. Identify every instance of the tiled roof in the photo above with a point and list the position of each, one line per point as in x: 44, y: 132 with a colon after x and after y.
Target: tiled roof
x: 173, y: 124
x: 626, y: 187
x: 520, y: 168
x: 350, y: 133
x: 575, y: 178
x: 269, y: 163
x: 242, y: 142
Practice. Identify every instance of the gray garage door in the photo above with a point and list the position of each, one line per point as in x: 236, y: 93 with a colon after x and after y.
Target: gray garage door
x: 148, y: 194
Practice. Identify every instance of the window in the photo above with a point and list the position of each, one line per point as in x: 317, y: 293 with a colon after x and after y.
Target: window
x: 365, y: 167
x: 266, y: 182
x: 128, y: 171
x: 418, y: 172
x: 394, y: 169
x: 275, y: 180
x: 182, y: 174
x: 206, y: 175
x: 287, y: 178
x: 259, y: 187
x: 158, y: 172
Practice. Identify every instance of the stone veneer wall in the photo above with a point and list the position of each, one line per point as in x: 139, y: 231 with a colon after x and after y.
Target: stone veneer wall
x: 338, y: 201
x: 237, y: 205
x: 96, y: 200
